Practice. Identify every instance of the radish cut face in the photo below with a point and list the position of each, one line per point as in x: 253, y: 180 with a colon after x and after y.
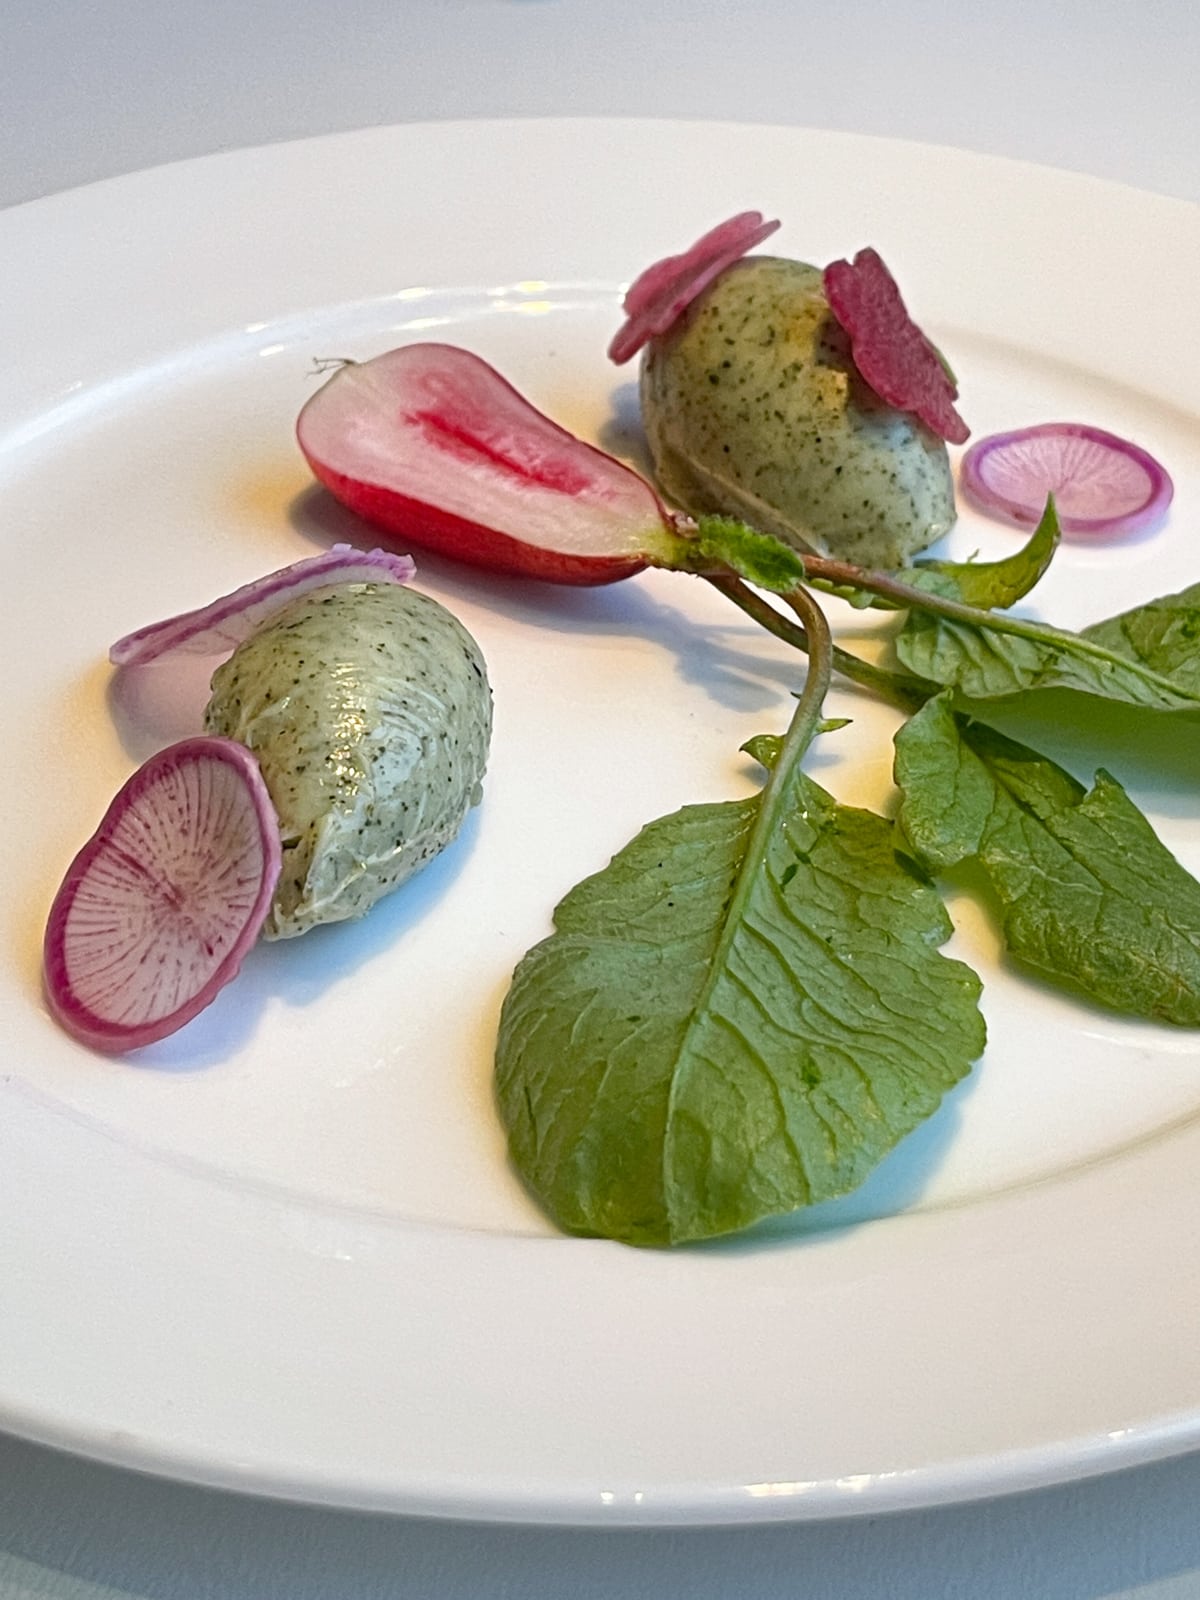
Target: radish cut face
x: 431, y: 444
x: 1102, y: 485
x: 157, y: 911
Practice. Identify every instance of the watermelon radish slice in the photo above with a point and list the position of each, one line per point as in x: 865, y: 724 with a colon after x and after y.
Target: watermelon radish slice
x: 157, y: 911
x: 1102, y: 485
x: 429, y: 443
x: 890, y: 351
x: 660, y: 295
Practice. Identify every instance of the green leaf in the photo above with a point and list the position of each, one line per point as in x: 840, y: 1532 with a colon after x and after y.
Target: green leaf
x: 995, y: 655
x: 992, y: 584
x: 739, y: 1016
x: 1090, y: 895
x: 1163, y: 635
x: 985, y: 585
x: 766, y: 748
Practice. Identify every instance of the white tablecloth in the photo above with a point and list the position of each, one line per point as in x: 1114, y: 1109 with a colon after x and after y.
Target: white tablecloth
x: 90, y: 90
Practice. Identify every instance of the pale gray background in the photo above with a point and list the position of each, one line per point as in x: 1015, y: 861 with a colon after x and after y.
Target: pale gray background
x: 90, y: 89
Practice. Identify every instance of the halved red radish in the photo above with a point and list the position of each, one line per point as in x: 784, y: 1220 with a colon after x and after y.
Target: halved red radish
x: 661, y: 294
x: 157, y: 911
x: 1102, y: 485
x: 893, y: 355
x: 219, y: 627
x: 431, y: 444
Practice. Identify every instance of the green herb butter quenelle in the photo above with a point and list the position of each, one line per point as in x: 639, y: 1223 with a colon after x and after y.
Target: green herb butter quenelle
x: 368, y: 708
x: 753, y: 408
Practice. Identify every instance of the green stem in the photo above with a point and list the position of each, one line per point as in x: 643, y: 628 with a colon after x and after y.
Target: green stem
x: 902, y: 689
x: 779, y: 792
x: 816, y: 682
x: 899, y: 689
x: 844, y: 575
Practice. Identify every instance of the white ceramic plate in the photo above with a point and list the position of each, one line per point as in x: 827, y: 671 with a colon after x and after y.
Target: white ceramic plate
x: 283, y: 1250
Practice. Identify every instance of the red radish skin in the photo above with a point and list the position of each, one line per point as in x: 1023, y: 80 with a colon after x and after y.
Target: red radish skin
x: 158, y: 910
x: 1103, y: 486
x: 659, y: 296
x: 890, y: 351
x: 431, y: 445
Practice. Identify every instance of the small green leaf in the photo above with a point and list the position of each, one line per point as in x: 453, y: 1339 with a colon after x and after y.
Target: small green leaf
x: 1091, y: 897
x: 985, y: 585
x: 765, y: 748
x: 760, y: 558
x: 992, y: 585
x: 795, y: 1019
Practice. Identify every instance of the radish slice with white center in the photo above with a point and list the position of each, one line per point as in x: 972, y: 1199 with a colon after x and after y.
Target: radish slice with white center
x: 157, y: 911
x: 219, y: 627
x: 1102, y: 485
x: 430, y: 443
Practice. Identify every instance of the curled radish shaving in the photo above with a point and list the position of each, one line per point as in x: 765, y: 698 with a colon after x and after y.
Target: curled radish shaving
x: 157, y: 911
x: 890, y: 351
x: 660, y: 295
x: 218, y: 628
x: 431, y: 444
x: 1102, y: 485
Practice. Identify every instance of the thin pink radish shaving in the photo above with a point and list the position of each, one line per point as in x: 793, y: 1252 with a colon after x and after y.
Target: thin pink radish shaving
x: 219, y: 627
x: 431, y: 444
x: 660, y: 295
x: 1102, y: 485
x: 157, y: 911
x: 893, y: 355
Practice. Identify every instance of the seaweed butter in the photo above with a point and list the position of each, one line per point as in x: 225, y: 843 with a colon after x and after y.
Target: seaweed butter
x: 368, y: 708
x: 753, y: 408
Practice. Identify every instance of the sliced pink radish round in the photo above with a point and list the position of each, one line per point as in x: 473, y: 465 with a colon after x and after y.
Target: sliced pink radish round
x: 157, y: 911
x: 431, y: 444
x: 1102, y: 485
x: 660, y: 295
x: 893, y: 355
x: 219, y: 627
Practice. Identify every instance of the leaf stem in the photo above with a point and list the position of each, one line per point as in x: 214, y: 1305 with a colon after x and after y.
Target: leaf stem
x: 898, y: 689
x: 779, y: 792
x: 816, y: 682
x: 842, y: 575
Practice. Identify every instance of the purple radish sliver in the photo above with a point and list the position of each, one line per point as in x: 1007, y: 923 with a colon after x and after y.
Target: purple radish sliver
x: 659, y: 296
x: 893, y: 355
x: 157, y: 911
x: 219, y: 627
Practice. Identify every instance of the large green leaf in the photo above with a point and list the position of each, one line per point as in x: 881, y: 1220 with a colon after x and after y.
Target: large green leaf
x: 1163, y: 635
x: 990, y: 657
x: 739, y: 1016
x: 1090, y: 895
